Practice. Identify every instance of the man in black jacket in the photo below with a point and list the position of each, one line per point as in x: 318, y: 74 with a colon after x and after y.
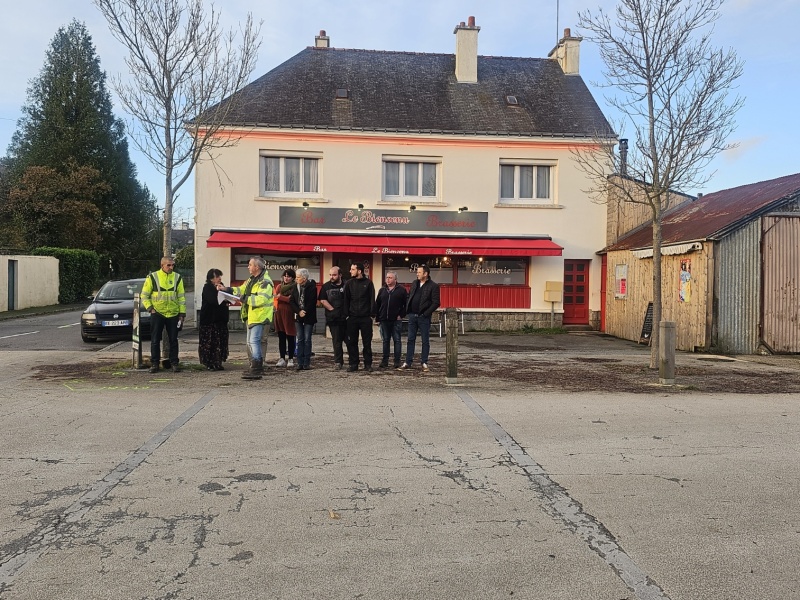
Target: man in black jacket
x: 331, y: 296
x: 359, y: 306
x: 423, y: 300
x: 390, y: 308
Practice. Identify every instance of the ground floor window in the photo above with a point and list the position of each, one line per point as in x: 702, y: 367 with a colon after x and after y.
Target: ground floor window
x: 343, y: 261
x: 406, y: 267
x: 276, y: 264
x: 474, y: 270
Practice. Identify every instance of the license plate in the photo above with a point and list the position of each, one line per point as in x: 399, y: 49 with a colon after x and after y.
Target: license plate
x: 119, y: 323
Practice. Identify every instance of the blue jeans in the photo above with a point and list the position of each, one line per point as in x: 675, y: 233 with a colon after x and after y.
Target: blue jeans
x: 304, y: 331
x: 254, y: 335
x: 390, y: 332
x: 422, y: 324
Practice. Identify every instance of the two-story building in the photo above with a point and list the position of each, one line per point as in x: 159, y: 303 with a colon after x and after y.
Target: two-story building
x: 395, y: 159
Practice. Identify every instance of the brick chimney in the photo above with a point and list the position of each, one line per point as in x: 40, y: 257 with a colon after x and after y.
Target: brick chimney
x: 567, y: 53
x: 322, y: 40
x: 467, y: 51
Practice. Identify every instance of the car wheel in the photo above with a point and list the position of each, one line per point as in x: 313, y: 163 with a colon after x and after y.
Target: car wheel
x: 87, y: 338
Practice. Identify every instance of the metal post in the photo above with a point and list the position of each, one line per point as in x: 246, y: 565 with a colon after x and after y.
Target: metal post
x: 666, y: 352
x: 451, y: 345
x: 137, y: 345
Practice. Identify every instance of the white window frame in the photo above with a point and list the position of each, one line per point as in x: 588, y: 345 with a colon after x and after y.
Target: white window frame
x: 404, y: 162
x: 516, y: 164
x: 282, y: 156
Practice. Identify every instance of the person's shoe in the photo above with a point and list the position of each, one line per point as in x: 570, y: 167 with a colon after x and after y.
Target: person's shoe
x: 369, y: 369
x: 154, y: 369
x: 290, y: 363
x: 339, y: 366
x: 403, y: 367
x: 281, y: 363
x: 255, y: 371
x: 425, y: 368
x: 176, y: 369
x: 218, y: 368
x: 384, y: 364
x: 210, y: 368
x: 352, y: 368
x: 397, y: 365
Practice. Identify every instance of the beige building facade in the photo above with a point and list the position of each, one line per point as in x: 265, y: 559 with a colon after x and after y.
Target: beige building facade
x: 495, y: 206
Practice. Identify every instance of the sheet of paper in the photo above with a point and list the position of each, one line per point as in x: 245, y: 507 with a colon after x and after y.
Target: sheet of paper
x: 223, y: 296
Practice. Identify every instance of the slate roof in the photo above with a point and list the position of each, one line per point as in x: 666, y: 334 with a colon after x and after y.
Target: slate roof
x: 715, y: 215
x: 415, y: 92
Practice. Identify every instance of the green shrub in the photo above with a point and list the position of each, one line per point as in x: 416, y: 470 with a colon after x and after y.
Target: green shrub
x: 78, y: 272
x: 184, y: 260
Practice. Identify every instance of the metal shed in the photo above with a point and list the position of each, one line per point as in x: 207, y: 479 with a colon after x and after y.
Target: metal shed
x: 730, y: 271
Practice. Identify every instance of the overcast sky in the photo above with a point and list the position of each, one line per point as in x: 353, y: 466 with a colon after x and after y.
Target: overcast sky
x: 762, y: 33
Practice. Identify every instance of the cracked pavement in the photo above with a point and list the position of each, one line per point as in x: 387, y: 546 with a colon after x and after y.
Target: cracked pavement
x: 320, y: 485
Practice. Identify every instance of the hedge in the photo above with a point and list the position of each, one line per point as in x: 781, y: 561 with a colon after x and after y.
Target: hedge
x: 78, y: 272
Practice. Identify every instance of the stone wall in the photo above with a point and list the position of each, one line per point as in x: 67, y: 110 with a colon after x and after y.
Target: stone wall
x: 505, y: 321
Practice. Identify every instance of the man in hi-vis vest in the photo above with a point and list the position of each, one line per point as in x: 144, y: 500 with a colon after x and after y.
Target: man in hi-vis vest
x: 163, y: 297
x: 256, y: 295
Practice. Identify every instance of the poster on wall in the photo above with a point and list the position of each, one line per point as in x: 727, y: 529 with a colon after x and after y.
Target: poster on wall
x: 621, y: 281
x: 685, y: 290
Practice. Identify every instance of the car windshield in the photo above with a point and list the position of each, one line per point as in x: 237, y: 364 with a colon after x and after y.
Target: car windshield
x: 119, y: 290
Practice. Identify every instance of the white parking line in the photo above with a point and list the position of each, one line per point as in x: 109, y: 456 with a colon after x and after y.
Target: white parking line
x: 70, y: 325
x: 18, y: 335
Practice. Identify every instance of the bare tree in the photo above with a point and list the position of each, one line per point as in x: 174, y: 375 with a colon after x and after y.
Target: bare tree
x: 182, y: 66
x: 671, y: 90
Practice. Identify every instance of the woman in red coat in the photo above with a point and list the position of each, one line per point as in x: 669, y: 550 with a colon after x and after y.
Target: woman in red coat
x: 286, y: 298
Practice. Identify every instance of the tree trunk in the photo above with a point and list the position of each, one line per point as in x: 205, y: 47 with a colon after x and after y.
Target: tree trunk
x: 654, y: 339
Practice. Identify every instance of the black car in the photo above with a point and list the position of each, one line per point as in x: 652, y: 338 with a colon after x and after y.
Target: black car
x: 111, y: 312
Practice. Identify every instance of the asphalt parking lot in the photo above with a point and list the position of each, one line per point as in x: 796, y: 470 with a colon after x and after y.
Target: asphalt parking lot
x: 327, y: 484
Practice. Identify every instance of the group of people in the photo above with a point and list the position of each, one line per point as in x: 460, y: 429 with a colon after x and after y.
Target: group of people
x: 350, y: 308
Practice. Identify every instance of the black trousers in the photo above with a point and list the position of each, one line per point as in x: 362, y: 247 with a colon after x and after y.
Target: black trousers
x: 362, y: 325
x: 339, y: 337
x: 158, y: 323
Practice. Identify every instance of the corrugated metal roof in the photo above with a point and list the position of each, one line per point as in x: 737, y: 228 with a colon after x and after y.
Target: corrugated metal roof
x: 716, y: 214
x: 418, y: 92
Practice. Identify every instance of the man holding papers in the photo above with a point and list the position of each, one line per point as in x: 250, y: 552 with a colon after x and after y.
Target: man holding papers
x: 257, y: 306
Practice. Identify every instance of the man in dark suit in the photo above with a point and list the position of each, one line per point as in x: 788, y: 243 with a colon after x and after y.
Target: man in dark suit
x: 423, y: 300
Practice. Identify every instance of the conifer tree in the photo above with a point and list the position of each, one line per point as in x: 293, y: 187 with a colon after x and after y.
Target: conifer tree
x: 68, y: 124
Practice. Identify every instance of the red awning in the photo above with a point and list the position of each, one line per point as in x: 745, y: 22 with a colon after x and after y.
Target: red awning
x: 385, y: 244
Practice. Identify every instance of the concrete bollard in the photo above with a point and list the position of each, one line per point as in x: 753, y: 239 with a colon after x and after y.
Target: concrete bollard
x: 667, y: 333
x: 451, y: 345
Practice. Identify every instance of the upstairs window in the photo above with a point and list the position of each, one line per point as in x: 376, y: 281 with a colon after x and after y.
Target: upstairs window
x: 407, y: 179
x: 290, y: 175
x: 525, y: 183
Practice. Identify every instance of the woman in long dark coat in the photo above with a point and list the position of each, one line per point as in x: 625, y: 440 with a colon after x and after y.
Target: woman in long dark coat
x: 213, y: 347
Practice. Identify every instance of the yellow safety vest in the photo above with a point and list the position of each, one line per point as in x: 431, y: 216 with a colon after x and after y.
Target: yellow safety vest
x: 257, y: 302
x: 164, y: 292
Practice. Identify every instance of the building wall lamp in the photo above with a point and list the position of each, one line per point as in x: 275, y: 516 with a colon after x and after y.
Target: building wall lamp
x: 306, y: 205
x: 463, y: 209
x: 412, y: 208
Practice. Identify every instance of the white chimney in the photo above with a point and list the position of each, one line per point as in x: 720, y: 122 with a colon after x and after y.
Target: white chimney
x: 467, y: 51
x: 322, y: 40
x: 568, y: 53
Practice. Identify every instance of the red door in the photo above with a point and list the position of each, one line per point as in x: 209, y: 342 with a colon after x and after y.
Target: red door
x: 576, y: 292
